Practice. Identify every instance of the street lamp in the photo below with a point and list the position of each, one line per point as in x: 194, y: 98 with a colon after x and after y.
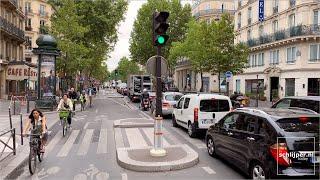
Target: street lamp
x: 47, y: 52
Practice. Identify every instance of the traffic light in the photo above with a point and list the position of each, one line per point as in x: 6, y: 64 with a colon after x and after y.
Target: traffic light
x: 160, y: 27
x: 188, y: 79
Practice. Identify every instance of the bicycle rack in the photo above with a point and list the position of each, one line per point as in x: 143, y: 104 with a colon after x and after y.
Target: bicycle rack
x: 6, y: 144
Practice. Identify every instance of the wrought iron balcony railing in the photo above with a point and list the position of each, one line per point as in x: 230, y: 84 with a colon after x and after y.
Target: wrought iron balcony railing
x: 212, y: 11
x: 11, y: 29
x: 300, y: 30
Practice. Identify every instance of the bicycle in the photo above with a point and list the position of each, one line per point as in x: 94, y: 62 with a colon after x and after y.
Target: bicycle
x: 63, y: 115
x: 35, y: 143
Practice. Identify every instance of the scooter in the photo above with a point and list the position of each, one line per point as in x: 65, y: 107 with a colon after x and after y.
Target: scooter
x: 146, y: 105
x: 238, y: 100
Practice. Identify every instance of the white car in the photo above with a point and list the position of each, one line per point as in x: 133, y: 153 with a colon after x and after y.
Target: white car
x: 197, y: 112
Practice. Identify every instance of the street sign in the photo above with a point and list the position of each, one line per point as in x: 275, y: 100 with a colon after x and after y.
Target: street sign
x: 151, y: 66
x: 261, y: 10
x: 228, y: 75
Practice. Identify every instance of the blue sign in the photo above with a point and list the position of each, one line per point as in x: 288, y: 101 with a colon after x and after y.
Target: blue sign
x: 261, y: 10
x: 228, y: 74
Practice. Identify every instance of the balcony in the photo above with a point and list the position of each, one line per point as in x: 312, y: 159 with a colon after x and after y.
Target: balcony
x: 11, y: 30
x: 43, y: 14
x: 13, y: 4
x: 28, y: 28
x: 292, y: 3
x: 209, y: 12
x: 275, y: 10
x: 300, y: 30
x: 28, y: 11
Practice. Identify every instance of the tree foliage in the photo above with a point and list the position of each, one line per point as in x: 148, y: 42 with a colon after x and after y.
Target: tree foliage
x: 210, y: 47
x: 141, y: 47
x: 86, y: 33
x: 127, y: 67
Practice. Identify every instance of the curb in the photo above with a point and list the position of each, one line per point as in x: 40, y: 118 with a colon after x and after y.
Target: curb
x: 190, y: 160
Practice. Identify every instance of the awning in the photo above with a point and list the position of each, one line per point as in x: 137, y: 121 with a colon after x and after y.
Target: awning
x: 21, y: 71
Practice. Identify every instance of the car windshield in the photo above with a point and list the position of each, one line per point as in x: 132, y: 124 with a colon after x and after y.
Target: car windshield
x: 214, y: 105
x: 305, y: 124
x: 173, y: 97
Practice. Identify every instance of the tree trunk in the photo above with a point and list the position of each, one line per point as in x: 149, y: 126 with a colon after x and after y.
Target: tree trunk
x: 201, y: 77
x: 219, y: 82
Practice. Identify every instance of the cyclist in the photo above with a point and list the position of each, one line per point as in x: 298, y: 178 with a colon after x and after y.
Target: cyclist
x: 90, y: 94
x: 66, y: 104
x: 73, y: 96
x: 83, y: 97
x: 38, y: 121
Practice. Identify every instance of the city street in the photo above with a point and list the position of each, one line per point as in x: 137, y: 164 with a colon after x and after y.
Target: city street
x: 89, y: 152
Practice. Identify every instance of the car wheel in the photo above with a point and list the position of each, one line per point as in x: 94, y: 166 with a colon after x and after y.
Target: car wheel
x: 174, y: 122
x: 191, y: 130
x: 257, y: 171
x: 211, y: 147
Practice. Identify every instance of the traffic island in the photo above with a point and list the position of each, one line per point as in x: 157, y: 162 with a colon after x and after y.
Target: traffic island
x: 133, y: 123
x: 139, y: 159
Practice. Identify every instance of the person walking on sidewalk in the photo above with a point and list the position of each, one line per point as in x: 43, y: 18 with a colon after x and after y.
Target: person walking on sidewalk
x: 73, y: 96
x: 66, y: 104
x: 39, y: 123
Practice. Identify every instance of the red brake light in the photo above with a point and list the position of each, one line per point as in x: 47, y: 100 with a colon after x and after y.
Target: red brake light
x: 303, y: 119
x: 280, y: 153
x: 196, y: 114
x: 165, y: 104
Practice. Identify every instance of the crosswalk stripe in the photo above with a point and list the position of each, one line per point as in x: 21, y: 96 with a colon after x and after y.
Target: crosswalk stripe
x: 209, y: 170
x: 53, y: 143
x: 67, y: 146
x: 199, y: 144
x: 102, y: 146
x: 85, y: 144
x: 124, y: 176
x: 135, y: 138
x: 150, y: 134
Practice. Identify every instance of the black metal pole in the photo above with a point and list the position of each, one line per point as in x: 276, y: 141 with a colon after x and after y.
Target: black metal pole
x: 10, y: 119
x: 39, y: 79
x: 21, y: 129
x: 54, y: 78
x: 28, y: 91
x: 257, y: 100
x: 158, y: 81
x: 14, y: 141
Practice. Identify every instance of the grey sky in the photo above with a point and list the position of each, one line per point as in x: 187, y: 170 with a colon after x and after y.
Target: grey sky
x: 122, y: 47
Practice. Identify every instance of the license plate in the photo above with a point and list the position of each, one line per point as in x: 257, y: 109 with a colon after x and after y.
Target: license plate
x: 207, y: 121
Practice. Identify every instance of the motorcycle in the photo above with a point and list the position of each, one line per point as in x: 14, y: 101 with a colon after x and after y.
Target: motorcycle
x: 145, y: 105
x: 239, y: 100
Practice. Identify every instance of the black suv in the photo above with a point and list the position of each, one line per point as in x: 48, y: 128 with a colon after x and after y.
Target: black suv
x: 307, y: 102
x: 267, y: 143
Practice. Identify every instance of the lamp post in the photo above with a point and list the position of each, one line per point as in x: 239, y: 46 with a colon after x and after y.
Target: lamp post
x: 47, y: 52
x: 28, y: 91
x: 257, y: 99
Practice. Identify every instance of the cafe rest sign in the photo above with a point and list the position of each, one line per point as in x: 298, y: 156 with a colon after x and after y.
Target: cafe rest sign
x: 21, y: 72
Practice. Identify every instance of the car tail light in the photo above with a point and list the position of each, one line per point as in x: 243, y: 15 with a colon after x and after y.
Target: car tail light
x: 303, y: 119
x: 280, y: 153
x: 196, y: 114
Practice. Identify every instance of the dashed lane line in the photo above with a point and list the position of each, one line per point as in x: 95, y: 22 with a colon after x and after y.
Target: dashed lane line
x: 209, y: 170
x: 102, y: 146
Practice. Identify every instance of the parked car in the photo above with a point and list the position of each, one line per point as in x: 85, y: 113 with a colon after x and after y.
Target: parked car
x: 197, y: 112
x: 307, y: 102
x: 169, y: 99
x: 267, y: 142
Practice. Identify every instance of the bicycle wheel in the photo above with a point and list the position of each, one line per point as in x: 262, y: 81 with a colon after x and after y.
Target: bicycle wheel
x: 32, y: 161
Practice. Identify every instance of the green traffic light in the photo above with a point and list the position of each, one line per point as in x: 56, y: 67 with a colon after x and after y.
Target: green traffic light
x: 161, y: 39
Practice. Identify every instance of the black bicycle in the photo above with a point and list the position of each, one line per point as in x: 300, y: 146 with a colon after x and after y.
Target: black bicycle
x: 35, y: 143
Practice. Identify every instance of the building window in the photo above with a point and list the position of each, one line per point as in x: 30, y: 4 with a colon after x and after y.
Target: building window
x: 249, y: 34
x: 42, y: 23
x: 275, y: 26
x: 28, y: 7
x: 274, y: 57
x: 254, y: 59
x: 261, y: 59
x: 275, y: 6
x: 292, y: 3
x: 290, y: 87
x: 261, y: 30
x: 239, y: 21
x: 249, y: 15
x: 291, y: 54
x: 42, y: 9
x: 313, y: 86
x: 28, y: 43
x: 316, y: 17
x: 314, y: 52
x: 292, y: 20
x: 28, y: 59
x: 28, y: 22
x: 238, y: 85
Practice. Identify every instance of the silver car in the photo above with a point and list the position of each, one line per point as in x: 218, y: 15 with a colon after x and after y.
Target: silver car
x: 169, y: 99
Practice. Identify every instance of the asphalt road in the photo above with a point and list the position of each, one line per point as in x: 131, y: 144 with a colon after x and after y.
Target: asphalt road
x: 88, y: 151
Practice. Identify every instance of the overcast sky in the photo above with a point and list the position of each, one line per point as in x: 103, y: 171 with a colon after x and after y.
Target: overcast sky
x: 122, y: 47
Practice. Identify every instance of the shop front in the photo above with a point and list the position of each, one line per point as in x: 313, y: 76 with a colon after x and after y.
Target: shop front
x: 20, y: 79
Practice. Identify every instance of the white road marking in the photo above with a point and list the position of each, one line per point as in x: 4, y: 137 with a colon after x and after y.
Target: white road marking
x: 130, y: 119
x: 53, y: 143
x: 150, y: 134
x: 209, y: 170
x: 67, y: 146
x: 196, y: 142
x: 124, y: 176
x: 119, y: 103
x: 135, y: 138
x: 85, y: 144
x: 102, y: 146
x: 86, y: 125
x: 96, y: 110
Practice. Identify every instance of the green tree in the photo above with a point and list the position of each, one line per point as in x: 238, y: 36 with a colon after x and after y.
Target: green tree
x: 127, y: 67
x: 141, y: 47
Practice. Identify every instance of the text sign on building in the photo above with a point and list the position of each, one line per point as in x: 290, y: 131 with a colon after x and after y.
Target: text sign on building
x: 261, y: 10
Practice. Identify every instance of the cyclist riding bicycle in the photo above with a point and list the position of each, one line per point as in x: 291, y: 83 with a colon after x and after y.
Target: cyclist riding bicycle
x: 73, y: 96
x: 38, y: 121
x: 83, y: 98
x: 66, y: 104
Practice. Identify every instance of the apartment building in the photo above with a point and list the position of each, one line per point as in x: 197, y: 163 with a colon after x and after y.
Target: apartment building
x: 184, y: 77
x: 284, y: 47
x: 12, y: 38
